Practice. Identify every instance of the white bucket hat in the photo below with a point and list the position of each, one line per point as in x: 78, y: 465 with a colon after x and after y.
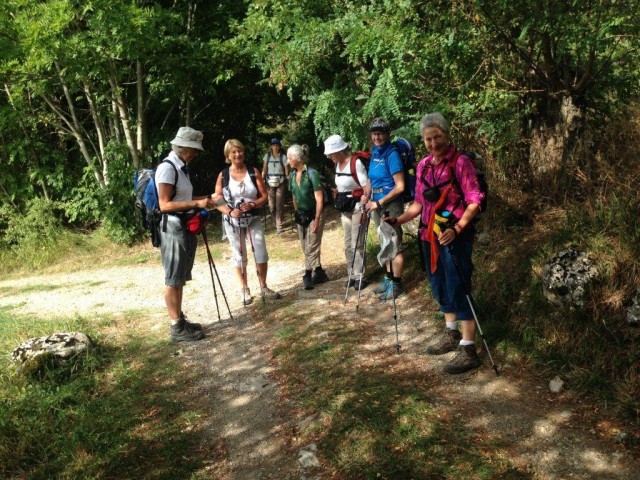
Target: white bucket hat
x: 334, y: 144
x: 389, y: 246
x: 188, y: 137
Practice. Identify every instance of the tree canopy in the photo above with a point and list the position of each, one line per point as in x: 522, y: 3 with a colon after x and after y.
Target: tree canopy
x: 93, y: 89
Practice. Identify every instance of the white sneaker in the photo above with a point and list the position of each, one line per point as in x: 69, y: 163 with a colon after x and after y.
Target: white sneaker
x: 245, y: 296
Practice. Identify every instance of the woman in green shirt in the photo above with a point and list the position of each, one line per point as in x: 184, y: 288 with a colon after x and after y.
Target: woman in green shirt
x: 308, y: 200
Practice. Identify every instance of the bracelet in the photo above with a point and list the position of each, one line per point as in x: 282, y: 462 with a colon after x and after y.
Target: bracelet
x: 378, y: 204
x: 460, y: 227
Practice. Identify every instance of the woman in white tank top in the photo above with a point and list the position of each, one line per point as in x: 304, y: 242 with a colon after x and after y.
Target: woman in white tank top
x: 244, y: 191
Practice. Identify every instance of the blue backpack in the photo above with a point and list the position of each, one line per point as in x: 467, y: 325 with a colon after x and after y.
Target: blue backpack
x: 144, y: 186
x: 408, y: 155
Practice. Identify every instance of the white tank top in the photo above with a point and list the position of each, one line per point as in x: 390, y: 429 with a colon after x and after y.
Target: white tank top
x: 242, y: 190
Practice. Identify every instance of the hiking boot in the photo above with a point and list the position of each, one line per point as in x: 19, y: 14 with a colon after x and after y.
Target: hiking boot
x: 269, y: 294
x: 361, y: 284
x: 307, y: 281
x: 382, y: 286
x: 180, y: 333
x: 350, y: 283
x: 192, y: 326
x: 319, y: 276
x: 447, y: 343
x: 245, y: 296
x: 466, y: 359
x: 394, y: 290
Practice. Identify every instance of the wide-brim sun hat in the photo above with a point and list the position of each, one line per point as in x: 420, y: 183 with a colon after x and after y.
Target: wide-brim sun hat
x: 334, y: 144
x: 188, y: 137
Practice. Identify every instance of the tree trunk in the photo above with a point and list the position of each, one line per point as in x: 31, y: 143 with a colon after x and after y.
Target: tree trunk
x: 552, y: 141
x: 97, y: 120
x: 124, y: 118
x: 142, y: 122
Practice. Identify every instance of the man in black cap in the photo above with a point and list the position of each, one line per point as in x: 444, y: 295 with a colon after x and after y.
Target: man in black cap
x: 275, y: 171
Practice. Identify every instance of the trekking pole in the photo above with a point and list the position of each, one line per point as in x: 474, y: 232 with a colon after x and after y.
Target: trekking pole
x: 242, y: 266
x: 212, y: 269
x: 364, y: 255
x: 393, y: 296
x: 467, y: 294
x: 253, y: 251
x: 353, y: 259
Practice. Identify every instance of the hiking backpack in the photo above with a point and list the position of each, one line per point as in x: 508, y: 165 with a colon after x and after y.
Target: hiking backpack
x: 144, y: 186
x: 482, y: 179
x: 364, y: 157
x: 408, y: 156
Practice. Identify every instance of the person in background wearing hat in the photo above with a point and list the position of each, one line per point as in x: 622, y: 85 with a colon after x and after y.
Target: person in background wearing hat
x: 275, y: 171
x: 386, y: 178
x: 448, y: 197
x: 348, y: 203
x: 308, y: 200
x: 178, y: 245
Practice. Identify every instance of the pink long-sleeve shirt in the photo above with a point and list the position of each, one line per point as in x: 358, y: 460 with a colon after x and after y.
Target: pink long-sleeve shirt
x: 457, y: 200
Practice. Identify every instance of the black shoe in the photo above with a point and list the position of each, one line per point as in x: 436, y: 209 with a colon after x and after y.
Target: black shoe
x: 319, y: 276
x: 180, y: 333
x: 350, y: 283
x: 307, y: 281
x: 360, y: 284
x: 191, y: 326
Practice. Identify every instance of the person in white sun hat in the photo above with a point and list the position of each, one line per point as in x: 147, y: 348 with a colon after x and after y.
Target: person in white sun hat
x: 178, y: 245
x: 351, y: 177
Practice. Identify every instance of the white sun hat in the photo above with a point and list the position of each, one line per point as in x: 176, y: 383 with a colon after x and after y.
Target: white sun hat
x: 334, y: 144
x: 188, y: 137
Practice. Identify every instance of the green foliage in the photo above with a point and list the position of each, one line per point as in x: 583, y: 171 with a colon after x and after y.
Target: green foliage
x: 37, y: 227
x: 121, y: 218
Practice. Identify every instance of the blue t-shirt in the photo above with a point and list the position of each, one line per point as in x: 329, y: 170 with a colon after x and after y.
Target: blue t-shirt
x: 385, y: 162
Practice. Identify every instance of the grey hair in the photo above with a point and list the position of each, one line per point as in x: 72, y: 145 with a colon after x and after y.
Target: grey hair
x: 301, y: 152
x: 179, y: 150
x: 435, y: 119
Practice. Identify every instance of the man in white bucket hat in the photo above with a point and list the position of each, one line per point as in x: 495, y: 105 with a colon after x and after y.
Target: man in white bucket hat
x: 178, y: 245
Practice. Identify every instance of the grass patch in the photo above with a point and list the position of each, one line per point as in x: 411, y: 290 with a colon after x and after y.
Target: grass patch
x: 119, y: 412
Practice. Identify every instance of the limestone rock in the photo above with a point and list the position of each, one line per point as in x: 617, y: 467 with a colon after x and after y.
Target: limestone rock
x: 61, y: 346
x: 633, y: 312
x: 566, y: 277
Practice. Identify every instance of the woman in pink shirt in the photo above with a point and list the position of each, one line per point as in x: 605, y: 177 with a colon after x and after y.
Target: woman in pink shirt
x: 448, y: 197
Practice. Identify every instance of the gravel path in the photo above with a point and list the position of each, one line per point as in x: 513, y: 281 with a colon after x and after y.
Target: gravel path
x: 552, y: 436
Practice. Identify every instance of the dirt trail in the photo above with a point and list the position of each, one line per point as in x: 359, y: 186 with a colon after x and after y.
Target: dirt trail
x: 552, y: 436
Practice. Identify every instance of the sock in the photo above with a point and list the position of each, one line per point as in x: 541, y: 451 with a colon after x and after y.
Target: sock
x: 307, y: 273
x: 175, y: 322
x: 396, y: 279
x: 319, y: 268
x: 452, y: 325
x: 467, y: 342
x: 389, y: 276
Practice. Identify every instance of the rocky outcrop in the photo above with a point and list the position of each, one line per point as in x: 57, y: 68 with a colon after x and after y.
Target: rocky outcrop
x: 60, y: 346
x: 566, y: 277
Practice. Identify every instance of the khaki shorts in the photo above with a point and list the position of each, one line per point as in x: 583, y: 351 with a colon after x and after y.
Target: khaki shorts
x: 178, y: 250
x: 395, y: 209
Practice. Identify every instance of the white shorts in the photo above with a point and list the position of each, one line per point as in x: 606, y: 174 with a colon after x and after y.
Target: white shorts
x: 242, y: 238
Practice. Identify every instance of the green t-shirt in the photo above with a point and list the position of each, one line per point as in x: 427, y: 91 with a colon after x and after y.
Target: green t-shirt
x: 303, y: 193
